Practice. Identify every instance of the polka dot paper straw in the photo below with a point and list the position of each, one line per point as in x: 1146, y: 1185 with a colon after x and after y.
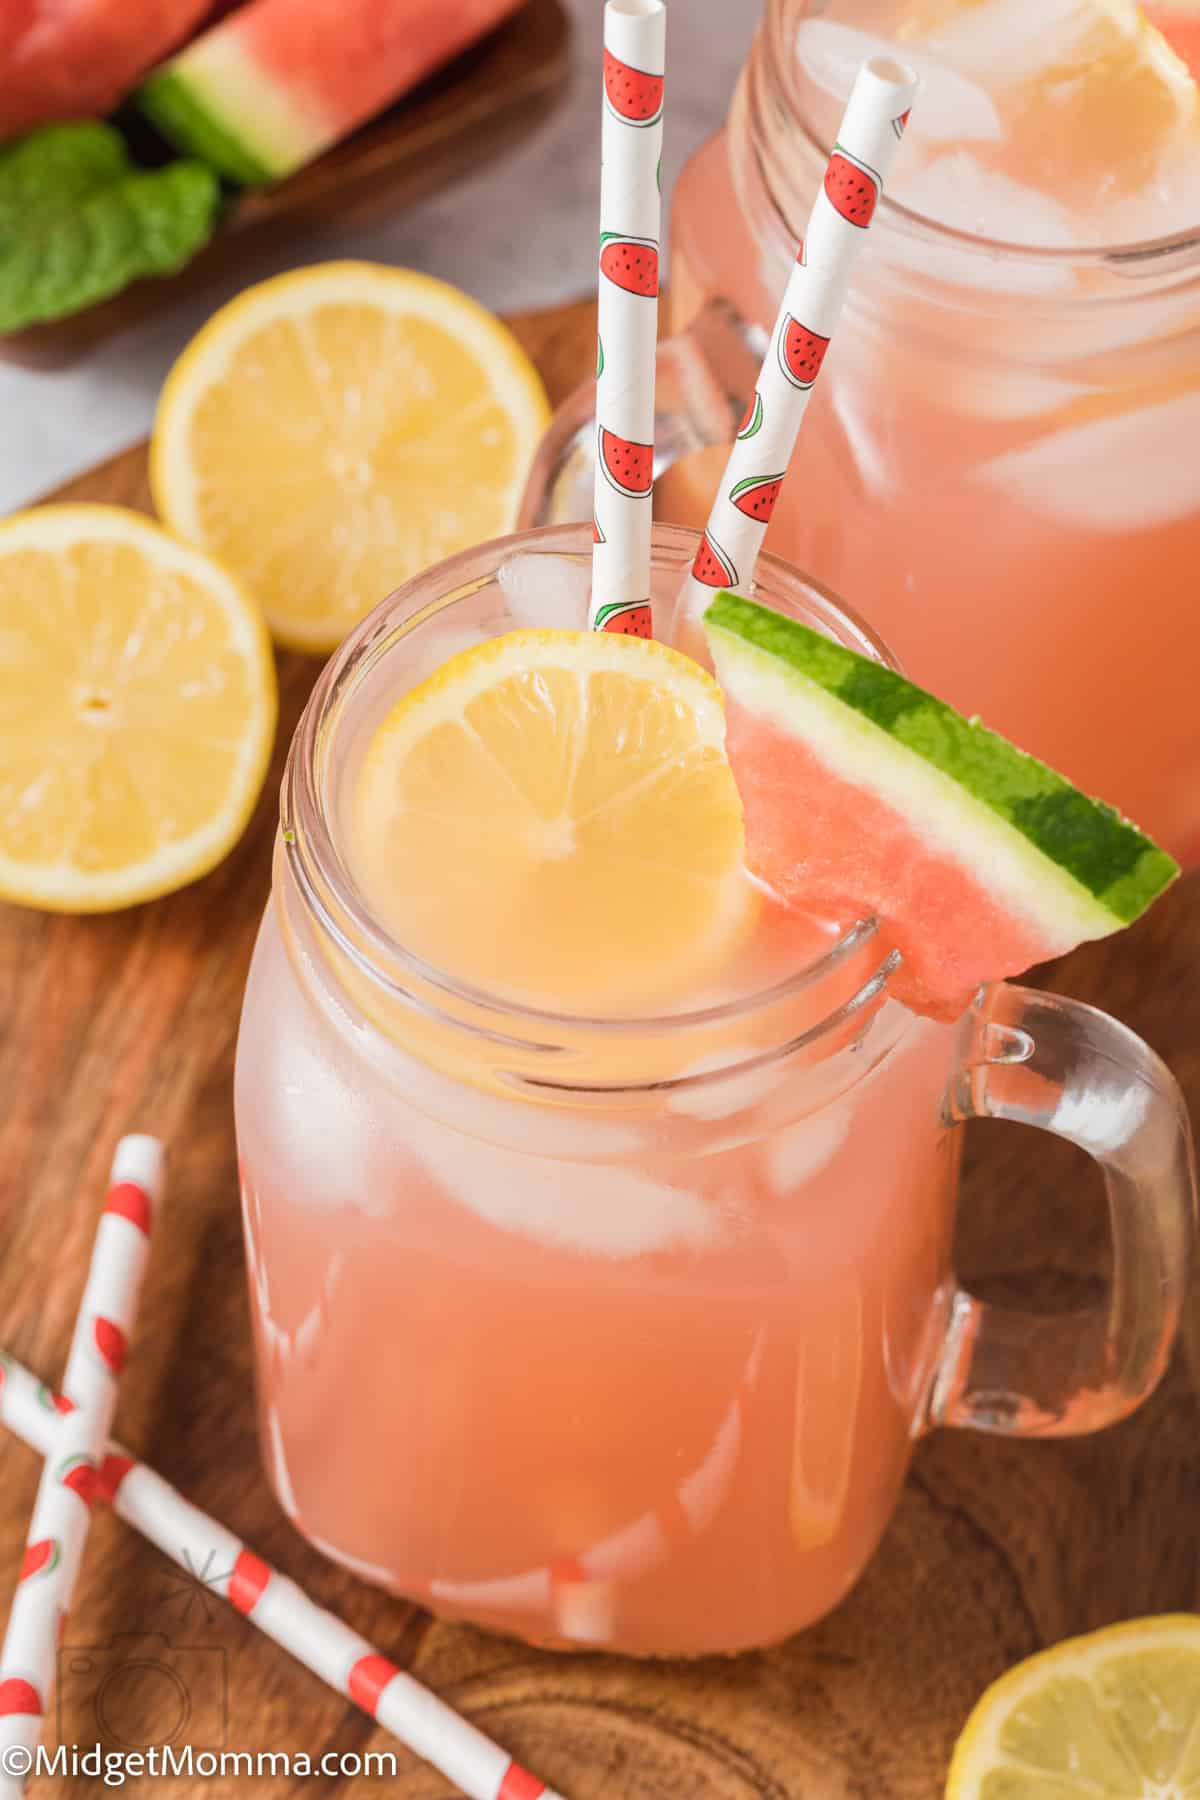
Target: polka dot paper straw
x: 61, y: 1512
x: 280, y: 1610
x: 867, y: 140
x: 630, y: 207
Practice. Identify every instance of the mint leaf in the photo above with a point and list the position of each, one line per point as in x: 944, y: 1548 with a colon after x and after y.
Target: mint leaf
x: 79, y: 221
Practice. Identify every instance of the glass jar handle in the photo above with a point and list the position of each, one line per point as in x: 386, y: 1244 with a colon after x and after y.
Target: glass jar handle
x: 1073, y: 1071
x: 704, y: 376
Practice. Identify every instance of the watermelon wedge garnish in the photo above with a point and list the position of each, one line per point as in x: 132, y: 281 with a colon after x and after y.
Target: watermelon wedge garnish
x: 865, y: 795
x: 801, y: 352
x: 627, y: 465
x: 630, y: 263
x: 752, y: 418
x: 852, y: 187
x: 756, y: 496
x: 712, y: 566
x: 598, y: 536
x: 626, y: 621
x: 631, y: 93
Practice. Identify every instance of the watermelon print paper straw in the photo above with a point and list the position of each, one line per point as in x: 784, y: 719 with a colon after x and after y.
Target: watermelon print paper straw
x: 867, y: 140
x: 61, y: 1512
x: 281, y: 1611
x: 627, y: 321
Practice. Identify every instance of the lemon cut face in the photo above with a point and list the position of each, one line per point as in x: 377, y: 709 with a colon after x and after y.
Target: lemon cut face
x: 551, y: 816
x: 137, y: 711
x: 1116, y: 1713
x: 334, y: 431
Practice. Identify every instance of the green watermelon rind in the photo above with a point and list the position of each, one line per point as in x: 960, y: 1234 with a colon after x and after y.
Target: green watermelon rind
x: 753, y: 481
x: 754, y: 424
x: 172, y: 101
x: 1073, y: 863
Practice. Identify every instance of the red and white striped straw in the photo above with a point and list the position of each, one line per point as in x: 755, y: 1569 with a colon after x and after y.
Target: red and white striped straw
x: 627, y: 322
x: 281, y: 1610
x: 867, y: 140
x: 62, y: 1510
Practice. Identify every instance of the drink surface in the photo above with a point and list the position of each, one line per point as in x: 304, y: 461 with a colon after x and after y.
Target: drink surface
x: 634, y: 1368
x: 992, y: 467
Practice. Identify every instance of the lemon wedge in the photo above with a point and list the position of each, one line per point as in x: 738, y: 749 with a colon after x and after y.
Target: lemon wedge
x: 138, y: 711
x: 335, y: 430
x: 1115, y: 1713
x: 551, y: 817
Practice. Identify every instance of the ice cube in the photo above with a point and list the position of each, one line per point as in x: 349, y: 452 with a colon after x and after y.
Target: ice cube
x: 595, y: 1209
x: 546, y: 591
x: 955, y: 189
x: 318, y: 1127
x: 949, y: 110
x: 720, y: 1097
x: 1127, y: 473
x: 794, y: 1155
x: 425, y: 656
x: 998, y: 42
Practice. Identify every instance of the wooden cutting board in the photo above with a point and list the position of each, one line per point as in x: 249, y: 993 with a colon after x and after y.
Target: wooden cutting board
x: 128, y: 1022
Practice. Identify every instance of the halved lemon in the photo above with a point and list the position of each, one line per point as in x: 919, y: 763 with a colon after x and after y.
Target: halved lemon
x: 551, y: 816
x: 1114, y: 1713
x: 137, y: 712
x: 335, y: 430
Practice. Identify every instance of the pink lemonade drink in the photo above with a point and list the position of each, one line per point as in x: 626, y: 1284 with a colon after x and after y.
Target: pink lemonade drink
x: 997, y: 469
x: 597, y: 1322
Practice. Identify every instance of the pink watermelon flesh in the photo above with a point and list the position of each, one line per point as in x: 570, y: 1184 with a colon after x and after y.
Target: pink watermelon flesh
x: 631, y: 93
x: 823, y: 843
x: 76, y: 59
x: 853, y: 189
x: 631, y: 265
x: 802, y: 352
x: 712, y: 566
x: 758, y: 501
x: 629, y: 466
x: 332, y: 63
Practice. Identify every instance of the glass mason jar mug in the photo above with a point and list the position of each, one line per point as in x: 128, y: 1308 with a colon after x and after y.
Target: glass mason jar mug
x: 619, y: 1332
x: 995, y: 467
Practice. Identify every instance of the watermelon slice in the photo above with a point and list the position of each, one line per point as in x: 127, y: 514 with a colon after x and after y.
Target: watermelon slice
x: 864, y: 794
x: 756, y: 496
x: 630, y: 263
x: 628, y: 466
x: 75, y: 59
x: 801, y: 352
x: 632, y: 94
x: 712, y: 566
x: 628, y: 621
x: 598, y: 536
x: 752, y: 418
x: 278, y: 81
x: 853, y: 188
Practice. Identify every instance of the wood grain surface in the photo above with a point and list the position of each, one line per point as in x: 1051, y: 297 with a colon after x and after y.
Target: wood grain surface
x: 500, y: 88
x: 997, y: 1548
